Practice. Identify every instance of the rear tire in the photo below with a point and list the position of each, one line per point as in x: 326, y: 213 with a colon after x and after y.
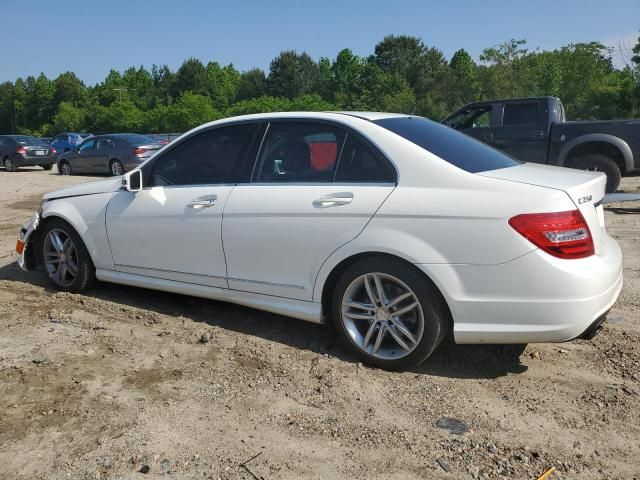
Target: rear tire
x: 47, y: 167
x: 9, y: 166
x: 66, y: 262
x: 64, y: 168
x: 115, y: 168
x: 375, y: 330
x: 597, y: 162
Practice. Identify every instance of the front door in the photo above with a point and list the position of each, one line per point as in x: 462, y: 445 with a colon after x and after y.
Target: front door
x: 279, y: 229
x: 171, y: 229
x: 81, y: 162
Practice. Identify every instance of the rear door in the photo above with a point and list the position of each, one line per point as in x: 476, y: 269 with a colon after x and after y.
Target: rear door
x: 521, y: 130
x: 315, y: 186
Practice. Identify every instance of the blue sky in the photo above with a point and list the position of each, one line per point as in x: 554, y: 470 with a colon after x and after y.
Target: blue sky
x: 90, y: 37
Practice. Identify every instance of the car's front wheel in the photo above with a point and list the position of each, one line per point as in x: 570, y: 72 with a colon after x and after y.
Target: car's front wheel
x: 388, y: 313
x: 65, y: 258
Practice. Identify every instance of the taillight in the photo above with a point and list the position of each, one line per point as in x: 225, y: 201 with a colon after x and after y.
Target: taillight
x: 561, y: 234
x: 139, y: 150
x: 53, y: 151
x: 21, y: 150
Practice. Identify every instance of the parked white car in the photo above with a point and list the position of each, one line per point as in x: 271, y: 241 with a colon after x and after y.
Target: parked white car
x: 398, y: 229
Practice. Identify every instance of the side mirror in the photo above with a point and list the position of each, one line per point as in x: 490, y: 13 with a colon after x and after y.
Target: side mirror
x: 132, y: 181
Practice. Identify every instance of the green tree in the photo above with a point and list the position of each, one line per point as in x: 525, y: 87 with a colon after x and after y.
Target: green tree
x: 291, y: 75
x: 252, y: 84
x: 223, y: 83
x: 191, y: 76
x: 69, y: 118
x: 189, y: 111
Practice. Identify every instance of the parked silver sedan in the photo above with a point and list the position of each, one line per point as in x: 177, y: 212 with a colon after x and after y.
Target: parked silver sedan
x: 115, y: 154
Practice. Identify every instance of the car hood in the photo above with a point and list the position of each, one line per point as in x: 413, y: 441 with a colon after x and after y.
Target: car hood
x: 91, y: 188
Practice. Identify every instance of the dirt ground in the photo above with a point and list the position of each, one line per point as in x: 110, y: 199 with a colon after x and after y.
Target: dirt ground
x: 116, y: 382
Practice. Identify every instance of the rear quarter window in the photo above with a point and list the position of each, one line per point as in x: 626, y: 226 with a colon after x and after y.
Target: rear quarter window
x: 450, y: 145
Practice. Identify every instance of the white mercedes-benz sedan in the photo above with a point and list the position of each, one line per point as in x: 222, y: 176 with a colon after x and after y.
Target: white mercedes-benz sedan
x: 399, y: 230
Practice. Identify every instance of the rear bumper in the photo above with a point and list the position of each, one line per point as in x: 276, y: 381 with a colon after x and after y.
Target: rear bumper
x: 534, y: 298
x: 22, y: 161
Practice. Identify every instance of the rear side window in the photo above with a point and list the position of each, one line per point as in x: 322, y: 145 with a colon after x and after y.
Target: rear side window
x: 520, y: 114
x: 299, y: 152
x: 210, y: 157
x: 450, y: 145
x: 361, y: 164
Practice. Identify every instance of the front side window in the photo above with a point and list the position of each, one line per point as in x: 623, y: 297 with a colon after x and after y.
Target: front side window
x: 451, y: 146
x: 520, y: 114
x: 360, y: 163
x: 87, y: 145
x: 210, y: 157
x: 299, y: 152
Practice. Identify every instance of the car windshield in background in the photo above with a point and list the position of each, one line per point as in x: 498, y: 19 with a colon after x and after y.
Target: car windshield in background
x: 137, y: 139
x: 28, y: 140
x: 454, y: 147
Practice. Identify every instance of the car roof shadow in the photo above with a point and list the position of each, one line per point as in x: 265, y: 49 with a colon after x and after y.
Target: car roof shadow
x: 449, y: 360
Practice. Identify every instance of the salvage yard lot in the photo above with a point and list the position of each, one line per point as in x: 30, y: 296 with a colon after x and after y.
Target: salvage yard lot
x: 102, y: 384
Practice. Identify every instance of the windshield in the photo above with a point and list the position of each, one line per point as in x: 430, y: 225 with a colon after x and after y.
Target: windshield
x: 454, y: 147
x: 28, y: 140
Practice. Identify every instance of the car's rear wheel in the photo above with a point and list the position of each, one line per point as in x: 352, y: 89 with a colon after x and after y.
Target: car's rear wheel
x: 388, y: 313
x: 64, y: 168
x: 597, y: 162
x: 9, y: 166
x: 47, y: 167
x: 116, y: 168
x: 65, y: 258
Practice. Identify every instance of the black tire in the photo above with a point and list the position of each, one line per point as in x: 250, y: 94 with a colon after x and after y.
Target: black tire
x: 601, y: 163
x: 64, y: 168
x: 435, y: 312
x: 47, y: 167
x: 115, y: 168
x: 9, y: 165
x: 86, y: 272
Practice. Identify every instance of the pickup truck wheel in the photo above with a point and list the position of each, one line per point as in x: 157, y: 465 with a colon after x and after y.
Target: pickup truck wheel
x: 597, y: 162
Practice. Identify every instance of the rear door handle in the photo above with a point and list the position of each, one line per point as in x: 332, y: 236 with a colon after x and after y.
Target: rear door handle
x: 538, y: 134
x: 333, y: 200
x: 487, y: 136
x: 203, y: 202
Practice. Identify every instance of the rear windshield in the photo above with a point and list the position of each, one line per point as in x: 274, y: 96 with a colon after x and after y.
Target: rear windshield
x: 28, y: 140
x: 450, y: 145
x: 137, y: 139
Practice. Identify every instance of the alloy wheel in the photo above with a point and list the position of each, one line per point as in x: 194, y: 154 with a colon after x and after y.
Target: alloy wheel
x: 60, y: 257
x: 382, y: 316
x: 116, y: 168
x: 66, y: 168
x: 8, y: 165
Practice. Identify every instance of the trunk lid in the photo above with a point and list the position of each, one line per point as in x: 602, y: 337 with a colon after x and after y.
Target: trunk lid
x: 586, y: 190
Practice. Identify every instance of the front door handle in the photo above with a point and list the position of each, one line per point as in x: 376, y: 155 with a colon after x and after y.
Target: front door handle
x: 204, y: 202
x: 333, y: 200
x: 538, y: 134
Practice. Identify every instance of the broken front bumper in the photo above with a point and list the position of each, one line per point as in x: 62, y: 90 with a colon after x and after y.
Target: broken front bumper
x: 26, y: 256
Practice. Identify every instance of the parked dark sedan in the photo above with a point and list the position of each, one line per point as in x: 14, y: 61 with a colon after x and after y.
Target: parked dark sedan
x: 24, y: 150
x: 115, y: 154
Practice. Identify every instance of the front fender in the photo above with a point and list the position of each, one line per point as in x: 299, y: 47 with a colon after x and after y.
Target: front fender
x: 86, y: 214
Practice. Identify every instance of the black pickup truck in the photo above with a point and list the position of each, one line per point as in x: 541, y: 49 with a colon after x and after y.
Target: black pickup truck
x: 536, y: 130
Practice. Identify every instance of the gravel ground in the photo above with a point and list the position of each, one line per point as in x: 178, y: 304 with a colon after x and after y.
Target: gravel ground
x: 122, y: 381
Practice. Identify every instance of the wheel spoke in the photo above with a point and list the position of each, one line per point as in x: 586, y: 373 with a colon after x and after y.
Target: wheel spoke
x: 61, y: 273
x: 56, y: 241
x: 399, y: 299
x: 402, y: 328
x: 360, y: 306
x: 367, y: 287
x: 72, y: 267
x: 382, y: 297
x: 381, y: 331
x: 404, y: 310
x: 369, y: 334
x: 398, y: 338
x: 358, y: 316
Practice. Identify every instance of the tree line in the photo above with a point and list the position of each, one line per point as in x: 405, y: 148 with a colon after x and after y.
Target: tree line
x: 402, y: 75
